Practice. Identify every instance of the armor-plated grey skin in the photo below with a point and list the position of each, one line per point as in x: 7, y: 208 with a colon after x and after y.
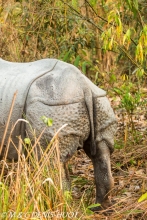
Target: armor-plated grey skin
x: 59, y: 90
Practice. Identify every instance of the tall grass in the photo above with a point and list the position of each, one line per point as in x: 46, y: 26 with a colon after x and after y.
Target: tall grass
x: 30, y: 189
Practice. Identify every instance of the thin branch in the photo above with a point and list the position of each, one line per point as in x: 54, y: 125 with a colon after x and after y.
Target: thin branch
x: 103, y: 19
x: 100, y: 29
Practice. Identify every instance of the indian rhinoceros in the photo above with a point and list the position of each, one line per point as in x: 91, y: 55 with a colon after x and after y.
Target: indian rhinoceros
x: 58, y: 90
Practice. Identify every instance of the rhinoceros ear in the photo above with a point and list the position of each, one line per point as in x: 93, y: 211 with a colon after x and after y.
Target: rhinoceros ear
x: 96, y: 91
x: 99, y: 92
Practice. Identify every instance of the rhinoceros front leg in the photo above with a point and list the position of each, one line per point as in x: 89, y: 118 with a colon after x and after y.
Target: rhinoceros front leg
x: 102, y: 173
x: 66, y: 185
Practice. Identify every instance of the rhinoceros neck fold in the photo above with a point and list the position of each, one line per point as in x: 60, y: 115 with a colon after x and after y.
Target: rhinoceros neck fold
x: 18, y: 77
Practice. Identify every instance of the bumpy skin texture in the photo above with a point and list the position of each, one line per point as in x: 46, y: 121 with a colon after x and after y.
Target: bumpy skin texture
x: 64, y: 94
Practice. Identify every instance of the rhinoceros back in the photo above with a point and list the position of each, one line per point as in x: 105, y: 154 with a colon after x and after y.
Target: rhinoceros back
x: 67, y: 85
x: 18, y: 77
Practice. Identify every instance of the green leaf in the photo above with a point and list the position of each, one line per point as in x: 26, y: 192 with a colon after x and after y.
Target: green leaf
x: 94, y: 205
x: 135, y: 2
x: 76, y: 63
x: 47, y: 121
x: 129, y: 3
x: 84, y: 65
x: 88, y: 209
x: 143, y: 197
x: 127, y: 36
x: 112, y: 78
x: 27, y: 141
x: 67, y: 56
x: 17, y: 10
x: 75, y: 3
x: 140, y: 73
x: 118, y: 91
x: 93, y: 2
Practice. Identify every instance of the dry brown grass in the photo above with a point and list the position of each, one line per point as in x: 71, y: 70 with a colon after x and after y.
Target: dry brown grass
x: 29, y: 187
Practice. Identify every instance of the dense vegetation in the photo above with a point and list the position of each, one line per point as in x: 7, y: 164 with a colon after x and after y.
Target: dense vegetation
x: 107, y: 40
